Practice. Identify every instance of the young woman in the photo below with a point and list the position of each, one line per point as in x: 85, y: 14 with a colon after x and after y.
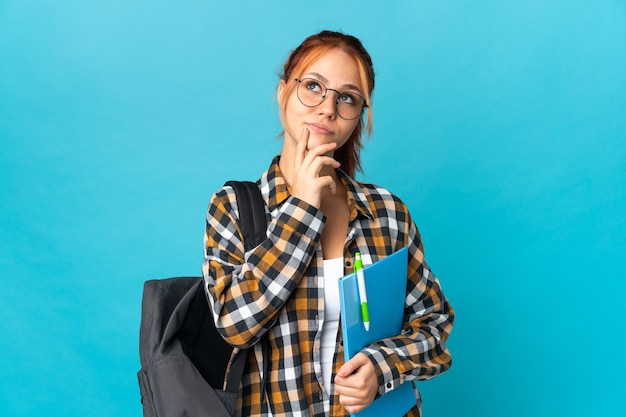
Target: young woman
x: 285, y: 290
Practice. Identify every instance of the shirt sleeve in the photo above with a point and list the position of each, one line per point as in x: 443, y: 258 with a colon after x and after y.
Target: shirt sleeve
x: 246, y: 290
x: 420, y: 351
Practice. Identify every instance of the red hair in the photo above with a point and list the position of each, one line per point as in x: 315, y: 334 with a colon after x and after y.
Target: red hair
x: 307, y: 53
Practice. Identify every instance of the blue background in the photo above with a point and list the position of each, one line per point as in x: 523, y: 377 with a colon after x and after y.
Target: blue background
x: 500, y: 123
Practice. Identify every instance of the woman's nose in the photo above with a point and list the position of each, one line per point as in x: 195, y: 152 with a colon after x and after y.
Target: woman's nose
x: 329, y: 105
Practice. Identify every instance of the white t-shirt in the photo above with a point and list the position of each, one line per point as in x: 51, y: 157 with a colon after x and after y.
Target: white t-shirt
x: 333, y: 270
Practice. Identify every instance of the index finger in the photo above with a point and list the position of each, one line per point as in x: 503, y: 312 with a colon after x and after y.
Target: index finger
x: 302, y: 144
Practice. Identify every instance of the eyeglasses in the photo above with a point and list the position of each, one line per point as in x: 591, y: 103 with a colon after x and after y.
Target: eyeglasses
x: 312, y: 92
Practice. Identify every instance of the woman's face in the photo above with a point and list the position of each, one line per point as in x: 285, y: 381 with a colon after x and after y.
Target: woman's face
x: 337, y: 71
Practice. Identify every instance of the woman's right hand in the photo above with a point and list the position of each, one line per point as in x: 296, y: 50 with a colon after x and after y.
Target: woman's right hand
x: 312, y: 170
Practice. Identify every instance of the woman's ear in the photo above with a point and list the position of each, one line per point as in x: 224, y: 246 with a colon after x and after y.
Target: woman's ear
x: 280, y: 94
x: 280, y: 97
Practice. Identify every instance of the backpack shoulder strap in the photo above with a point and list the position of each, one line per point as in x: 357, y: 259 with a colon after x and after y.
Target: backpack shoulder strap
x: 253, y: 226
x: 252, y: 220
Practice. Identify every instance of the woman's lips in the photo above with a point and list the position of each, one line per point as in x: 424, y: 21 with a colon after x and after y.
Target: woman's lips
x: 320, y: 128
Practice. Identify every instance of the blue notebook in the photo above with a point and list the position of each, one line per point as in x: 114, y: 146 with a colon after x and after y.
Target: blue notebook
x: 385, y: 283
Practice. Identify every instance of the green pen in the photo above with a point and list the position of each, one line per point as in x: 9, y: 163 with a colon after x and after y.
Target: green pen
x: 358, y: 269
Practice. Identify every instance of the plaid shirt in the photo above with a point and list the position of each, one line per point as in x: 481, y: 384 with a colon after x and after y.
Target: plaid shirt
x: 274, y: 291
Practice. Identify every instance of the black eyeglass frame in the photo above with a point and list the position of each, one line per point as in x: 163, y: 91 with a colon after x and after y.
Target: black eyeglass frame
x: 339, y: 94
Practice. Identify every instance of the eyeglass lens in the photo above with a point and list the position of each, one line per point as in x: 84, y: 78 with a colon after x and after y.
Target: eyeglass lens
x: 312, y: 92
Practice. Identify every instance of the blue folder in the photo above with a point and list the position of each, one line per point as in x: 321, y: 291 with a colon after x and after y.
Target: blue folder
x: 385, y: 283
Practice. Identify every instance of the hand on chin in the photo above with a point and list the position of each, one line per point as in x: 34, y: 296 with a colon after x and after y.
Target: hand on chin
x: 316, y: 140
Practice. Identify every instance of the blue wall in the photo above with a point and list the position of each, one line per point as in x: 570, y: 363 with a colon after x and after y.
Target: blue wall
x: 501, y: 124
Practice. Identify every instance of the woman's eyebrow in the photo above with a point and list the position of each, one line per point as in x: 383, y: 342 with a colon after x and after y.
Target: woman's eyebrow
x: 318, y: 76
x: 325, y: 81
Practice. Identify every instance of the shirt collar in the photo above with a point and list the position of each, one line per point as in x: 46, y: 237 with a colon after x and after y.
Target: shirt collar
x: 357, y: 199
x: 273, y: 185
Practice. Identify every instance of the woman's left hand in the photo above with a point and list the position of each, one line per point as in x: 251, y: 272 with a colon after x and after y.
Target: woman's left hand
x: 356, y: 383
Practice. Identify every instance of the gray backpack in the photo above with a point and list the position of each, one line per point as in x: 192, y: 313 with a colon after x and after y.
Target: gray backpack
x: 183, y: 356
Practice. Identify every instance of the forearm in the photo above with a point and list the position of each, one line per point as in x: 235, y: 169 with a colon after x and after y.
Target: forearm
x: 420, y: 351
x: 247, y: 290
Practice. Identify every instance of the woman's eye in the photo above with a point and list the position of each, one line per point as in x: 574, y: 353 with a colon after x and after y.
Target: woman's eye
x: 314, y: 86
x: 347, y: 98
